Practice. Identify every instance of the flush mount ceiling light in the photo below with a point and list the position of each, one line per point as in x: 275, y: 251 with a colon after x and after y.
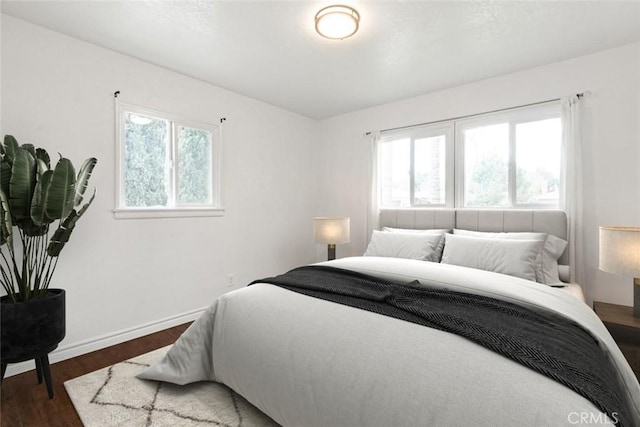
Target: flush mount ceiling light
x: 337, y: 21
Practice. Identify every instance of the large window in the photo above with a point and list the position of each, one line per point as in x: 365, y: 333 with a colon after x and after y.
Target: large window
x: 502, y: 160
x: 167, y: 166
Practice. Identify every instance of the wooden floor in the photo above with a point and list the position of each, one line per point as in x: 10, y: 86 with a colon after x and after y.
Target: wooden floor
x: 25, y: 402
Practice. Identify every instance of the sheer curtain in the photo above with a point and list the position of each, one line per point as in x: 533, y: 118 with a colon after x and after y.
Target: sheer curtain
x: 372, y: 205
x: 571, y: 196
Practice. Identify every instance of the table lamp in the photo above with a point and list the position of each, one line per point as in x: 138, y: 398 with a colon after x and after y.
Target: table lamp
x: 332, y: 231
x: 620, y: 254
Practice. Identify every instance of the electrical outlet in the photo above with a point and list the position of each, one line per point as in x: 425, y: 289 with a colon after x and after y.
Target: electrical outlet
x: 230, y: 281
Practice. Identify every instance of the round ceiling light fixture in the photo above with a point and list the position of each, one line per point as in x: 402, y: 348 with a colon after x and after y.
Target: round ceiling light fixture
x: 337, y: 22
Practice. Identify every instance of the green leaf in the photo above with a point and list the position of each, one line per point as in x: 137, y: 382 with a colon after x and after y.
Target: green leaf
x: 38, y: 214
x: 86, y: 205
x: 82, y: 180
x: 30, y: 148
x: 6, y: 226
x: 63, y: 233
x: 41, y: 167
x: 5, y: 175
x: 60, y: 195
x: 22, y: 184
x: 10, y: 147
x: 41, y: 154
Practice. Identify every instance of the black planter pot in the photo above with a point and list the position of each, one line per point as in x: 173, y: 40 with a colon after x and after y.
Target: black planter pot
x: 31, y: 330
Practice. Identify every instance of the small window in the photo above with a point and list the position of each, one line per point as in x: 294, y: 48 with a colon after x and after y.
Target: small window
x: 167, y: 166
x: 415, y: 167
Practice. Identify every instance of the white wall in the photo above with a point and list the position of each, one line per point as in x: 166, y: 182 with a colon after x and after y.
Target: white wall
x: 121, y: 275
x: 611, y: 144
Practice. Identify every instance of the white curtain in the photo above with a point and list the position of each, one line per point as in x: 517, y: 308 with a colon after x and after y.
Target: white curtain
x: 373, y: 209
x: 571, y: 194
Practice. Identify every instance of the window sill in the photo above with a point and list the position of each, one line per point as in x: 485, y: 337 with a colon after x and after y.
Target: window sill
x: 167, y: 213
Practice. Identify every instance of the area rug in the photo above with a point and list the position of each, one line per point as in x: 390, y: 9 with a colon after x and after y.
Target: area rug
x: 113, y: 396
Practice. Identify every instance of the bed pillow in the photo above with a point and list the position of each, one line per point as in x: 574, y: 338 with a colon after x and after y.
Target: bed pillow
x: 421, y: 246
x: 439, y: 231
x: 547, y: 262
x: 507, y: 256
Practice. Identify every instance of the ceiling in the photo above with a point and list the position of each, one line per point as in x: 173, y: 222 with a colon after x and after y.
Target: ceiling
x: 268, y: 50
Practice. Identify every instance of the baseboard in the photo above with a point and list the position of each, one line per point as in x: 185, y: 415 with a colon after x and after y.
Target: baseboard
x: 73, y: 350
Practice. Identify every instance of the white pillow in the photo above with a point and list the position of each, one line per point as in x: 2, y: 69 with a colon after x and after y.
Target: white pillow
x: 405, y: 245
x: 547, y: 260
x: 439, y: 231
x: 507, y: 256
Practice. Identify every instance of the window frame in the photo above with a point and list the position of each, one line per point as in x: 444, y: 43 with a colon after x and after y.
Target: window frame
x: 455, y: 156
x: 173, y: 210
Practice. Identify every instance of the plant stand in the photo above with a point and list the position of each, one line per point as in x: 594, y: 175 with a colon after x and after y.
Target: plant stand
x: 31, y: 330
x: 42, y: 368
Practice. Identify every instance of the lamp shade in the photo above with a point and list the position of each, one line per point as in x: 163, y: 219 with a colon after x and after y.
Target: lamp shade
x: 620, y: 250
x: 331, y: 230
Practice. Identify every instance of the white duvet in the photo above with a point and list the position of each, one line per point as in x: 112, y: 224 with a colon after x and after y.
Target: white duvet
x: 310, y: 362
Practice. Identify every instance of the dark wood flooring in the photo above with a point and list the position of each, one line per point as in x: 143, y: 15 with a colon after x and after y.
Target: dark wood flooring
x: 25, y: 402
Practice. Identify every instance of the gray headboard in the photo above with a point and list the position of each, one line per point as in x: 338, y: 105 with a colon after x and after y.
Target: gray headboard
x: 539, y: 221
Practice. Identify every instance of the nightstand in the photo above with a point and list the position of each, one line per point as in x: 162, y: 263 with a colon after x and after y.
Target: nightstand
x: 624, y: 328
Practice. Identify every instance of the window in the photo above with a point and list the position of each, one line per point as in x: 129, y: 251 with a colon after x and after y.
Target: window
x: 167, y: 166
x: 510, y: 159
x: 413, y: 168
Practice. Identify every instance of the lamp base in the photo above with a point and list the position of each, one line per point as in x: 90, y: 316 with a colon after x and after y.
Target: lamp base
x: 331, y: 252
x: 636, y: 297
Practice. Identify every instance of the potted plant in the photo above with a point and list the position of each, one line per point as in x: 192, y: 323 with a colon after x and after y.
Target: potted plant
x: 39, y: 209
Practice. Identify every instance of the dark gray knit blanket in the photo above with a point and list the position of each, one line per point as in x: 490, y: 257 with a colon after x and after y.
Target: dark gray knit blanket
x: 541, y: 340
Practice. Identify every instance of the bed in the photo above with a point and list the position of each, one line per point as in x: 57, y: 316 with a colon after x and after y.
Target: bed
x: 308, y: 361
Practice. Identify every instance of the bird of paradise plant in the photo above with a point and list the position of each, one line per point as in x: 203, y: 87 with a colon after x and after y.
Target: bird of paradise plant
x: 33, y: 197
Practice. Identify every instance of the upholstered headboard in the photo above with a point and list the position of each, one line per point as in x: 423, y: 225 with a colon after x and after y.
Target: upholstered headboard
x: 539, y: 221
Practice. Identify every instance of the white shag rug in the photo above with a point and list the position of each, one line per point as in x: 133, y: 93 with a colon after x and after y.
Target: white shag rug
x: 113, y: 396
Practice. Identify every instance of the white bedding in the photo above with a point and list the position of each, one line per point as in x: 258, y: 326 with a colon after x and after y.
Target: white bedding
x: 575, y: 290
x: 310, y: 362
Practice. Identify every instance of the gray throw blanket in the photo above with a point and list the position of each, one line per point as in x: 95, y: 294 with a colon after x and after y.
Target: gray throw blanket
x: 543, y: 341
